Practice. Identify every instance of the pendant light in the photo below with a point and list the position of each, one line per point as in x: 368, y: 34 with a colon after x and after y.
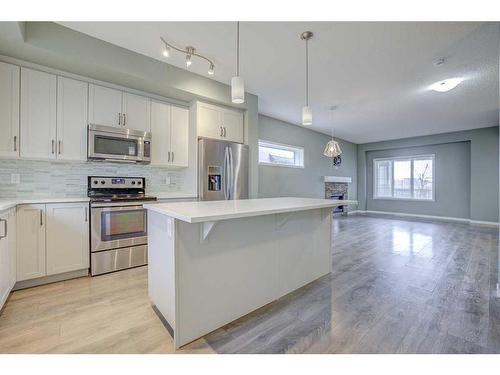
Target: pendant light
x: 237, y: 84
x: 332, y: 149
x: 306, y: 110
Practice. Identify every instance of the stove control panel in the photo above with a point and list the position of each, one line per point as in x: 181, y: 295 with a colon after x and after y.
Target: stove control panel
x: 116, y: 182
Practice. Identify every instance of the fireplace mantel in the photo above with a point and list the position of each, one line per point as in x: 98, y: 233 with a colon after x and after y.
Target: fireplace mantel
x: 347, y: 180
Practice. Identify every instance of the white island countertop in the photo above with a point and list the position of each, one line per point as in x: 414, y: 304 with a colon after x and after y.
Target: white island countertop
x: 198, y: 212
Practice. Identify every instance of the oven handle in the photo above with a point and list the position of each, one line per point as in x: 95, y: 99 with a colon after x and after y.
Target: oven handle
x: 114, y: 207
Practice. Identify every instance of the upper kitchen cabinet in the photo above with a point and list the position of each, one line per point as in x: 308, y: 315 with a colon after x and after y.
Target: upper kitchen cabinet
x: 170, y: 132
x: 9, y: 110
x: 72, y: 99
x: 219, y: 122
x: 38, y: 114
x: 112, y: 107
x: 136, y: 112
x: 105, y: 106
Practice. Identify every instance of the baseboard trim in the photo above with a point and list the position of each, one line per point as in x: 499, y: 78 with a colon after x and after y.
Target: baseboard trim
x: 50, y: 279
x: 432, y: 217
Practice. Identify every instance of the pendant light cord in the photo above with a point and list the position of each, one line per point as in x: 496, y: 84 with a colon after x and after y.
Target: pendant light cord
x: 307, y: 73
x: 238, y: 48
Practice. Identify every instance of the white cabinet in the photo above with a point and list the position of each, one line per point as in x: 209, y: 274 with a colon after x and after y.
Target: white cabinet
x: 7, y: 253
x: 52, y: 239
x: 72, y: 99
x: 30, y: 241
x: 112, y: 107
x: 219, y: 122
x: 38, y: 114
x: 136, y: 112
x: 9, y: 110
x: 67, y: 237
x: 105, y: 106
x: 170, y: 134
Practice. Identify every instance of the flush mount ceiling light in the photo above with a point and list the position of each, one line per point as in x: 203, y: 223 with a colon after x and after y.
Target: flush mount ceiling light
x: 446, y: 85
x: 189, y: 51
x: 237, y: 83
x: 306, y: 110
x: 332, y: 149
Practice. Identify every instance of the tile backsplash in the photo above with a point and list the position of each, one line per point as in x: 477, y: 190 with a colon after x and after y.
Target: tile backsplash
x: 67, y: 179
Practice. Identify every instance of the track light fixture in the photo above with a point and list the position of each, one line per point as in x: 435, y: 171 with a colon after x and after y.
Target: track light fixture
x: 189, y: 51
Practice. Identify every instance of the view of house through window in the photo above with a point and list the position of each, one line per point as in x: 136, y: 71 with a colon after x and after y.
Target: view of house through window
x: 404, y: 178
x: 271, y: 153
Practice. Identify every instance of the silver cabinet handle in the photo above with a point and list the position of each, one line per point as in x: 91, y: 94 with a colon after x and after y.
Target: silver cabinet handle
x: 124, y: 119
x: 119, y: 118
x: 53, y: 143
x: 168, y: 157
x: 41, y: 217
x: 15, y: 143
x: 173, y: 156
x: 60, y: 146
x: 86, y: 214
x: 5, y: 228
x: 221, y: 132
x: 224, y: 132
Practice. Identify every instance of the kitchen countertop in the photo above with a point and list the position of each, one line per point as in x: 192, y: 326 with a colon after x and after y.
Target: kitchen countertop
x: 197, y: 212
x: 6, y: 203
x: 174, y: 195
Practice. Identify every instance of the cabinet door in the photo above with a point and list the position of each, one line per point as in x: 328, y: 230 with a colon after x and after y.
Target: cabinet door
x: 179, y: 136
x: 11, y: 221
x: 160, y: 133
x: 4, y: 260
x: 38, y: 114
x: 72, y: 98
x: 30, y: 241
x: 137, y: 110
x: 232, y: 121
x: 105, y: 106
x: 209, y: 121
x: 67, y: 237
x: 9, y: 110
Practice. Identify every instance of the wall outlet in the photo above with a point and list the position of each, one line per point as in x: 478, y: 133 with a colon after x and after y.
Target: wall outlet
x: 15, y: 178
x: 167, y: 180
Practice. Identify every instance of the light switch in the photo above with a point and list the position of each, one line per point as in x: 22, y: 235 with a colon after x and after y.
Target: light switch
x: 167, y: 180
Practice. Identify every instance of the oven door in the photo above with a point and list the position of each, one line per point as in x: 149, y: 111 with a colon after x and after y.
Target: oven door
x: 118, y: 146
x: 113, y: 227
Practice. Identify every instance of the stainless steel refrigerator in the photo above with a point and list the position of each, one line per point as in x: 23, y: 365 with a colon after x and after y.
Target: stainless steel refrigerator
x: 222, y: 170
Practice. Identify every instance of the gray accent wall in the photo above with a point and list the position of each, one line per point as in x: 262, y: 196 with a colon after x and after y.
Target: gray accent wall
x: 481, y: 146
x: 275, y: 181
x: 452, y: 181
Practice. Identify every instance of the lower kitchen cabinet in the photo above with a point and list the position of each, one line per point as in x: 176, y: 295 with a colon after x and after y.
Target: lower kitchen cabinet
x: 52, y: 239
x: 67, y: 237
x: 30, y: 241
x: 7, y: 253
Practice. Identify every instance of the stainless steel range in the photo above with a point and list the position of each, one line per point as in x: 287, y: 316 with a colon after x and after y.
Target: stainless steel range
x: 118, y: 223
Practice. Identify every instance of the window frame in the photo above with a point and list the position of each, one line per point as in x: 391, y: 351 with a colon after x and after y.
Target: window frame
x: 282, y: 146
x: 412, y: 159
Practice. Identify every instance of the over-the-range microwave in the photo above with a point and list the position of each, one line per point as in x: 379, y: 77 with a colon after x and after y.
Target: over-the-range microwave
x: 118, y: 144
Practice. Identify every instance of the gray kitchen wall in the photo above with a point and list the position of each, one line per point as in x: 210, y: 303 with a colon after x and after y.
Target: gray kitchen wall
x: 55, y: 46
x: 277, y: 181
x: 58, y: 179
x: 483, y: 184
x: 452, y: 181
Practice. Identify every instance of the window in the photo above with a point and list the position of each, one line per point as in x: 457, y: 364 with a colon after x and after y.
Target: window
x: 407, y: 178
x: 271, y: 153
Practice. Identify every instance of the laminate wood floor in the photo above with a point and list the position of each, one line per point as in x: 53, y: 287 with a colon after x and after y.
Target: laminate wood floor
x: 397, y: 286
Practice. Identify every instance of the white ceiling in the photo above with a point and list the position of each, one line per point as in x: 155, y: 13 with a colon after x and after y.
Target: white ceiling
x: 376, y: 73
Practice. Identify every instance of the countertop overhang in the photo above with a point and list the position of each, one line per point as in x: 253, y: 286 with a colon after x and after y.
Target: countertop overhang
x: 198, y: 212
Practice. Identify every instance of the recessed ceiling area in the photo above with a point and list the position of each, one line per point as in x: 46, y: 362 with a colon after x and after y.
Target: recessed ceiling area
x: 378, y: 74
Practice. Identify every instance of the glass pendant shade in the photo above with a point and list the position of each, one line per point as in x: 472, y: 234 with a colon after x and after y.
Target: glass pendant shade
x: 307, y: 118
x: 332, y: 149
x: 237, y: 90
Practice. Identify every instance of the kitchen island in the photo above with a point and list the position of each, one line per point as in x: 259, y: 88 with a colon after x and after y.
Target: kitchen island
x: 213, y: 262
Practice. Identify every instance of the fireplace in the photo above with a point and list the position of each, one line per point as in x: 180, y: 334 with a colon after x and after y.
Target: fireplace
x: 337, y: 188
